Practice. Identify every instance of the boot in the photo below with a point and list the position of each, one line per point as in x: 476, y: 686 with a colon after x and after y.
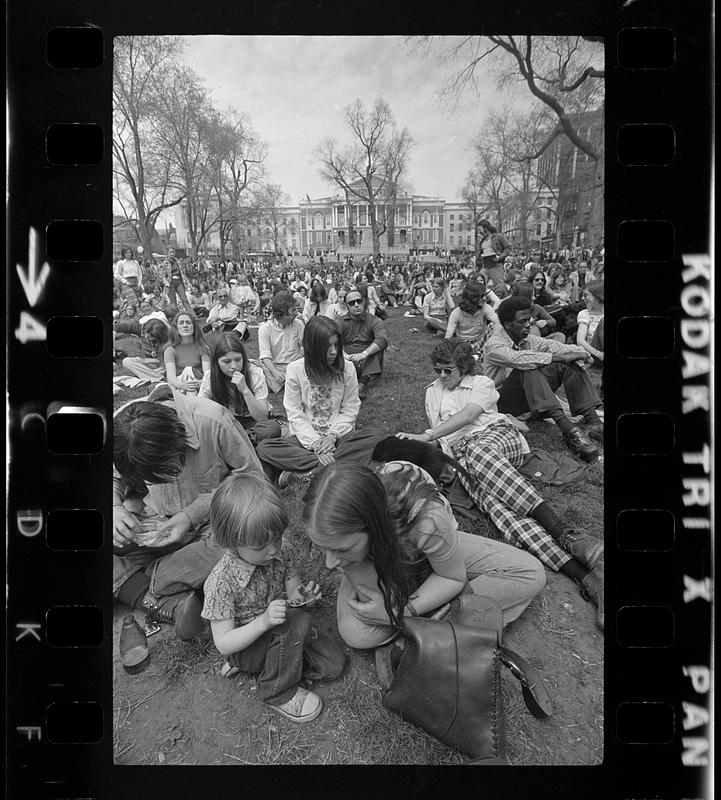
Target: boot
x: 592, y: 590
x: 579, y: 443
x: 182, y: 610
x: 584, y: 548
x: 133, y: 646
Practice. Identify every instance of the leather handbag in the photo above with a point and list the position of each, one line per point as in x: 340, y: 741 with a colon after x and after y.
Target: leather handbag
x: 448, y: 679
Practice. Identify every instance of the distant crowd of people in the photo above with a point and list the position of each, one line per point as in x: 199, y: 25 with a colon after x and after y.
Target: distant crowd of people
x: 202, y: 461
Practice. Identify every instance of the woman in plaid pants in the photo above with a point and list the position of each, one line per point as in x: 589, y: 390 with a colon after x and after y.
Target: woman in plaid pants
x: 463, y: 416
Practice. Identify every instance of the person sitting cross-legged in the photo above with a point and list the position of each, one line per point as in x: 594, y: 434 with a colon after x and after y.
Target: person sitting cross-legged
x: 170, y: 453
x: 364, y: 339
x: 322, y: 404
x: 528, y: 370
x: 463, y: 417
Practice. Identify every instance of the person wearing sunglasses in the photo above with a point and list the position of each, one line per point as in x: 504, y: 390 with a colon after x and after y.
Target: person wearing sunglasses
x: 463, y: 417
x: 364, y: 340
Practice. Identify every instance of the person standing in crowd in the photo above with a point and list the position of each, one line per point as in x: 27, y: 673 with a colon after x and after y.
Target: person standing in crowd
x: 280, y: 340
x: 322, y: 404
x: 528, y: 370
x: 494, y: 247
x: 186, y: 355
x: 176, y: 281
x: 127, y: 270
x: 170, y: 452
x: 463, y: 418
x: 364, y: 340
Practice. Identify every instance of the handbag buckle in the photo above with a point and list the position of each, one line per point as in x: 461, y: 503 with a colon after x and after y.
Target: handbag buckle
x: 516, y: 671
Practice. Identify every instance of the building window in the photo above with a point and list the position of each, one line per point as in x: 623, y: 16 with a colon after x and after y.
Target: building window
x: 450, y: 239
x: 451, y: 226
x: 426, y: 220
x: 452, y: 216
x: 468, y: 240
x: 425, y: 235
x: 460, y: 227
x: 362, y: 216
x: 341, y: 216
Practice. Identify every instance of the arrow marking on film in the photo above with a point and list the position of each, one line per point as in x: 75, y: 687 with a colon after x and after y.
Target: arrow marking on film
x: 32, y: 282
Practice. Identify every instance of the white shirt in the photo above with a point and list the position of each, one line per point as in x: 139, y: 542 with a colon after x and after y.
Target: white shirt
x: 442, y: 404
x: 314, y: 411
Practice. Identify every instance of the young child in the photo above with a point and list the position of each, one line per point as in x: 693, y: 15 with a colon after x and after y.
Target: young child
x: 252, y: 623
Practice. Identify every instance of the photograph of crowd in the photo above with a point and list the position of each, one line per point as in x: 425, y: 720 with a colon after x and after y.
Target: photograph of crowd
x: 358, y: 302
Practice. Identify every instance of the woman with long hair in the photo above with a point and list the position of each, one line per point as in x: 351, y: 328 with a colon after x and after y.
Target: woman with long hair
x: 239, y: 384
x: 186, y: 354
x: 317, y: 302
x: 395, y: 539
x: 339, y: 308
x: 149, y: 366
x: 470, y: 320
x: 322, y: 404
x: 591, y: 326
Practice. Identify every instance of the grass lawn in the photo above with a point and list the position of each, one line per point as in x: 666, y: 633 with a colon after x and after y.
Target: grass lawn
x: 180, y: 711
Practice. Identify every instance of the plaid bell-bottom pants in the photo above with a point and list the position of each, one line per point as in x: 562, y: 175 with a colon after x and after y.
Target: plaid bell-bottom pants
x: 491, y: 457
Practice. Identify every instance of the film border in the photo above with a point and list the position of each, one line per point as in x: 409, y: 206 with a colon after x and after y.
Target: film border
x: 679, y: 481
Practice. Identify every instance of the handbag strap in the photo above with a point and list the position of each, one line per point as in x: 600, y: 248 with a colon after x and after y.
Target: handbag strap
x: 535, y: 694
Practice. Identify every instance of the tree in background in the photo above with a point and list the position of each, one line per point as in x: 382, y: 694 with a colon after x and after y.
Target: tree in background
x: 565, y: 76
x: 564, y: 73
x: 267, y: 205
x: 236, y: 158
x: 145, y: 181
x: 371, y: 169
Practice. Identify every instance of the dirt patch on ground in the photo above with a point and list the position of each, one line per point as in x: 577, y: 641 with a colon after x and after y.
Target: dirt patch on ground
x: 181, y: 711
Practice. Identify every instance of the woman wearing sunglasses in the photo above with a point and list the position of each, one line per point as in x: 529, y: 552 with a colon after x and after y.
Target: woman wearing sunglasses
x: 463, y: 416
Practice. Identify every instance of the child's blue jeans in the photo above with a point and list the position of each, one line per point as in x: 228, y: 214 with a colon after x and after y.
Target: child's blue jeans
x: 277, y: 658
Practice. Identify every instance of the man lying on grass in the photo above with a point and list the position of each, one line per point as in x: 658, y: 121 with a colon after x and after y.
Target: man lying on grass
x: 463, y: 416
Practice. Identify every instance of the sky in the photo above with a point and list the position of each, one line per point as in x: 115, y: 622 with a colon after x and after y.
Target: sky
x: 294, y: 90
